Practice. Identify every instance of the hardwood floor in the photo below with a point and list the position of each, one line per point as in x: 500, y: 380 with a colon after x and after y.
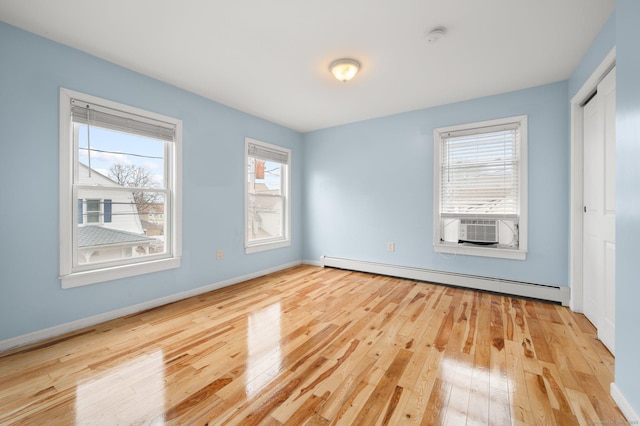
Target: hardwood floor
x: 320, y: 346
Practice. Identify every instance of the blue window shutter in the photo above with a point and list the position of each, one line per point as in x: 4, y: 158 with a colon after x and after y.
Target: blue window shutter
x: 80, y: 211
x: 107, y: 210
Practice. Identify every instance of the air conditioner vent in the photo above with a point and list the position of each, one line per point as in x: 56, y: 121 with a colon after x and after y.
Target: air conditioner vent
x: 479, y: 231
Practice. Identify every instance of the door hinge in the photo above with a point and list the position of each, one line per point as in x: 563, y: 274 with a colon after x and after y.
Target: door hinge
x: 585, y: 209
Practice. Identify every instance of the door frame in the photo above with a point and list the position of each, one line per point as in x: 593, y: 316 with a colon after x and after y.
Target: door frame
x: 577, y: 176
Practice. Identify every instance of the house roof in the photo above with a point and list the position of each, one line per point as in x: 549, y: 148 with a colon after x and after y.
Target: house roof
x: 91, y: 236
x: 265, y: 203
x: 93, y: 176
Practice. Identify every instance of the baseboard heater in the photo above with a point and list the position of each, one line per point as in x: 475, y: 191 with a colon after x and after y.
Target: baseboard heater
x: 516, y: 288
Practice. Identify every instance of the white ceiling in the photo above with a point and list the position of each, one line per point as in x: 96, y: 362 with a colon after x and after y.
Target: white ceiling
x: 270, y: 58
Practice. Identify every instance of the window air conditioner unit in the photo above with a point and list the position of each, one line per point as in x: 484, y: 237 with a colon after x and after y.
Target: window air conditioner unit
x: 478, y: 231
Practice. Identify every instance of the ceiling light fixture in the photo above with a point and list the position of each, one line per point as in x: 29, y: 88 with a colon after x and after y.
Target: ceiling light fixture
x: 344, y: 69
x: 436, y: 34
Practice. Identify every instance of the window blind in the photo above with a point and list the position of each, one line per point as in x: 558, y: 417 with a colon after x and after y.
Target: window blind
x: 264, y: 153
x: 480, y: 172
x: 95, y: 115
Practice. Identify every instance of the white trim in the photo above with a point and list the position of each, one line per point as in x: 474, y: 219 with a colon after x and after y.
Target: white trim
x: 174, y: 178
x: 68, y: 217
x: 94, y: 276
x: 537, y: 291
x: 258, y: 246
x: 577, y: 189
x: 453, y: 248
x: 255, y: 248
x: 58, y: 330
x: 517, y: 254
x: 624, y: 405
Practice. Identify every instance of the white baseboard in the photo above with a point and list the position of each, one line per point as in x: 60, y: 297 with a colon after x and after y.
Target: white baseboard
x: 623, y: 404
x: 537, y: 291
x: 47, y: 333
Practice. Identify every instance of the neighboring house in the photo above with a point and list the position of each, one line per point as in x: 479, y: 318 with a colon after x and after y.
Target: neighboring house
x: 265, y: 212
x: 152, y: 219
x: 109, y: 226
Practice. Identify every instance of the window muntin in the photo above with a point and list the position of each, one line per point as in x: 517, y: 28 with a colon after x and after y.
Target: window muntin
x: 480, y: 188
x: 121, y: 163
x: 267, y: 196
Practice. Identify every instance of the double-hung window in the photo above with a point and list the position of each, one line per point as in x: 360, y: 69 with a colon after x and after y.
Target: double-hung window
x: 267, y: 193
x: 481, y: 188
x: 118, y: 166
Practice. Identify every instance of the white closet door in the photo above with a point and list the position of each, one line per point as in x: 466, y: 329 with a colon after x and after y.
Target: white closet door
x: 599, y: 241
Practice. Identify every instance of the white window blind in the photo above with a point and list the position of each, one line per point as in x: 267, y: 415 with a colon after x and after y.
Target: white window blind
x: 265, y: 153
x: 480, y: 172
x: 95, y: 115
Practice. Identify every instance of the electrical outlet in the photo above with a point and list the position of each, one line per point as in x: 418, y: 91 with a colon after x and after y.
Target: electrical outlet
x: 219, y: 254
x: 391, y: 246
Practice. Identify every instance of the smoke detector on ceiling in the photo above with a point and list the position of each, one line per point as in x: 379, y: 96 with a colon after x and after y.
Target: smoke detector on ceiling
x: 436, y: 34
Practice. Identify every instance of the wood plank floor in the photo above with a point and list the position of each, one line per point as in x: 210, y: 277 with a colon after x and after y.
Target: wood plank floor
x: 320, y: 346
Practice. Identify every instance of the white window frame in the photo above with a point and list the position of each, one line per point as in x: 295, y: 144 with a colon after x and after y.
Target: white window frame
x: 441, y: 246
x: 285, y: 240
x: 73, y: 276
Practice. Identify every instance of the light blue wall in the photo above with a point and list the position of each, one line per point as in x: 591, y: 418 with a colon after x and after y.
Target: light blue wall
x: 628, y: 200
x: 31, y: 71
x: 603, y: 43
x: 371, y: 182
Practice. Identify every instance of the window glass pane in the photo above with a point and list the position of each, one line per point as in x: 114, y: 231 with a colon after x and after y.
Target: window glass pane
x: 137, y: 227
x: 119, y: 224
x: 151, y: 210
x: 93, y: 205
x: 265, y: 209
x: 265, y: 217
x: 479, y: 173
x: 265, y: 177
x: 128, y: 160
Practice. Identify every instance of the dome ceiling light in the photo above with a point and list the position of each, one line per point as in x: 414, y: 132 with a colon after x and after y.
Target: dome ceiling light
x: 344, y: 69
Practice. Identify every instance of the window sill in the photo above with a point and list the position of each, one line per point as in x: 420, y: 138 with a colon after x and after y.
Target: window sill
x: 78, y: 279
x: 470, y: 250
x: 255, y: 248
